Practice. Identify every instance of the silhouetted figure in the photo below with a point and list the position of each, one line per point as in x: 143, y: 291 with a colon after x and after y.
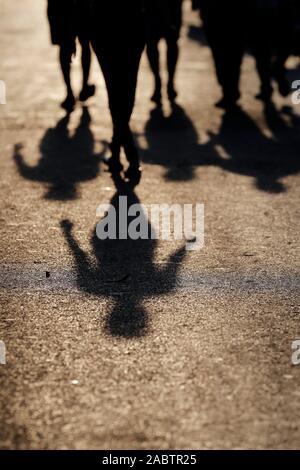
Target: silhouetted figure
x: 118, y: 38
x: 69, y: 20
x: 251, y: 153
x: 164, y: 20
x: 124, y: 271
x: 66, y: 159
x: 172, y: 142
x: 224, y: 24
x: 271, y: 30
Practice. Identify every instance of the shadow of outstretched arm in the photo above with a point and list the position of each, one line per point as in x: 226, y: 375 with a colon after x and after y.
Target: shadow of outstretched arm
x: 26, y: 171
x: 84, y: 266
x: 168, y: 275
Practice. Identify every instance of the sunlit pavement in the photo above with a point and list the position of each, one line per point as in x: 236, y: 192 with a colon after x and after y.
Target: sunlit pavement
x: 145, y: 345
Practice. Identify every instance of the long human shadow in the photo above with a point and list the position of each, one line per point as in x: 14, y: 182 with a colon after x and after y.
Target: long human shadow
x: 248, y: 151
x: 239, y: 146
x: 65, y: 159
x: 124, y: 271
x: 172, y: 142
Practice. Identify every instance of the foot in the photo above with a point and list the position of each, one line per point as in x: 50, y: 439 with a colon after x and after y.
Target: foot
x: 172, y: 93
x: 227, y: 104
x: 114, y: 165
x: 133, y: 174
x: 86, y: 92
x: 265, y: 95
x: 69, y: 103
x: 156, y: 97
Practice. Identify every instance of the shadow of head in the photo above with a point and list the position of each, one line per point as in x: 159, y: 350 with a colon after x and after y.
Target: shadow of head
x: 66, y: 159
x: 250, y: 152
x: 172, y: 143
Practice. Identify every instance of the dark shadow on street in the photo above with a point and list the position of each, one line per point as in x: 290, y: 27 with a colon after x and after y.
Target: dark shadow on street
x: 65, y: 160
x: 123, y: 270
x: 248, y: 152
x: 239, y: 147
x: 172, y: 142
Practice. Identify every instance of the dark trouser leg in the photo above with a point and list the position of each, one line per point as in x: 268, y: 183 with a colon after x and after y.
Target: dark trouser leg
x: 228, y: 61
x: 263, y: 41
x: 225, y: 32
x: 232, y: 72
x: 65, y: 57
x: 120, y: 70
x: 172, y: 59
x: 153, y: 58
x: 264, y: 69
x: 85, y: 60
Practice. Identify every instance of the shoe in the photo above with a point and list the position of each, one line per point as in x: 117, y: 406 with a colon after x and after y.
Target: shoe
x: 69, y: 103
x: 156, y: 97
x: 172, y: 93
x: 87, y: 92
x: 265, y: 95
x: 227, y: 104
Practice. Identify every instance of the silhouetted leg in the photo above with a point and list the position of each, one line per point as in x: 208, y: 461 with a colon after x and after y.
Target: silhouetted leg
x: 120, y: 70
x: 225, y: 33
x: 85, y: 61
x: 284, y: 39
x: 153, y: 57
x: 263, y: 53
x: 114, y: 82
x: 65, y: 56
x: 223, y: 60
x: 128, y: 105
x: 228, y: 64
x: 231, y: 72
x: 172, y: 59
x: 87, y: 90
x: 264, y: 69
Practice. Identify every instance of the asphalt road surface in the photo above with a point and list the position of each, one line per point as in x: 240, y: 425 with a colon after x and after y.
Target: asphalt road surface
x: 143, y: 345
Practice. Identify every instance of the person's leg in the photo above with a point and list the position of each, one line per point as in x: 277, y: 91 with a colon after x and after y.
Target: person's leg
x: 65, y: 56
x: 172, y: 60
x: 122, y: 103
x: 213, y: 31
x: 86, y: 55
x: 284, y: 39
x: 105, y: 56
x: 121, y: 89
x: 227, y: 59
x: 264, y: 69
x: 85, y: 61
x: 263, y: 53
x: 231, y: 70
x: 280, y: 72
x: 172, y: 39
x: 131, y: 151
x: 153, y: 58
